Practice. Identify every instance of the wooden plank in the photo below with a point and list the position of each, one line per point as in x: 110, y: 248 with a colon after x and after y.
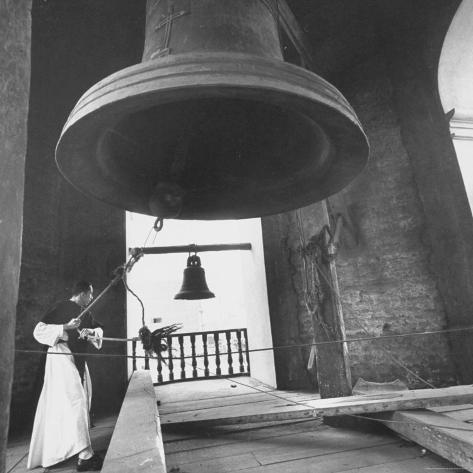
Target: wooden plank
x: 225, y: 435
x: 241, y: 399
x: 284, y: 447
x: 457, y: 407
x: 353, y: 460
x: 465, y: 415
x: 216, y: 464
x: 136, y: 443
x: 436, y: 432
x: 462, y: 412
x: 314, y: 445
x: 16, y: 454
x: 262, y: 405
x: 209, y: 389
x: 361, y: 404
x: 424, y: 464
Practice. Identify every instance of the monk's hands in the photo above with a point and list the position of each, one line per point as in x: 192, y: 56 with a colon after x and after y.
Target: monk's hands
x: 72, y: 324
x: 85, y: 333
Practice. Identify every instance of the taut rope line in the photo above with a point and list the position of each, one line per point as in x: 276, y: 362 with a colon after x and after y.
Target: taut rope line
x: 285, y: 347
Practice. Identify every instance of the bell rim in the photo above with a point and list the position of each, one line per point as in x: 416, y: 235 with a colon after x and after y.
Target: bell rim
x: 210, y: 73
x: 212, y: 66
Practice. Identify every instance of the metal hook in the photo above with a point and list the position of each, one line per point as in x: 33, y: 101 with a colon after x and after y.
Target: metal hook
x: 158, y: 224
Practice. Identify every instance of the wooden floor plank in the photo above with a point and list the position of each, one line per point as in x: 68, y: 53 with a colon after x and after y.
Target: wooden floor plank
x: 447, y: 437
x: 309, y: 446
x: 284, y: 447
x: 217, y: 465
x: 330, y: 463
x: 425, y: 464
x: 241, y: 399
x: 303, y: 446
x: 209, y: 388
x: 465, y: 415
x: 17, y: 451
x: 213, y: 437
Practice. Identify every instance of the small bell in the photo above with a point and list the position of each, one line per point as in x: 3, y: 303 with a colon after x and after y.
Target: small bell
x: 194, y: 285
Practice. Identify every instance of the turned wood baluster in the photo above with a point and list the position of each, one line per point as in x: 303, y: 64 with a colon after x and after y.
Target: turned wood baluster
x: 194, y: 359
x: 206, y: 355
x: 133, y: 353
x: 170, y: 363
x: 228, y: 336
x: 247, y: 352
x: 217, y: 355
x: 160, y: 369
x: 183, y: 361
x: 240, y: 352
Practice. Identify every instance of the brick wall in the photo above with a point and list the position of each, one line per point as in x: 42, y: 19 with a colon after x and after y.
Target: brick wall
x: 406, y: 263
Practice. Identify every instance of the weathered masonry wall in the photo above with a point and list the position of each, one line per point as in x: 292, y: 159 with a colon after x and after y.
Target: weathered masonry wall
x: 15, y: 34
x: 68, y: 236
x: 405, y: 258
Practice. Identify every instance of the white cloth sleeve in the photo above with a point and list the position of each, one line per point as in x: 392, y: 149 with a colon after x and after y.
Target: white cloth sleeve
x: 49, y: 334
x: 98, y: 333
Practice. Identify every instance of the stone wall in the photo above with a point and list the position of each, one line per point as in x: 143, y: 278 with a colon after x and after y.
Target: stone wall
x: 405, y: 261
x: 15, y: 35
x: 68, y: 236
x: 386, y: 282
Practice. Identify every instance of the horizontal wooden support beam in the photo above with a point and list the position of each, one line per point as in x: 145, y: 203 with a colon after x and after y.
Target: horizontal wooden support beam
x: 436, y: 432
x: 279, y: 408
x: 161, y: 250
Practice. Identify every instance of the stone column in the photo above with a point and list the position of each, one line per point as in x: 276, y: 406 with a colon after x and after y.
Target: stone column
x: 15, y: 36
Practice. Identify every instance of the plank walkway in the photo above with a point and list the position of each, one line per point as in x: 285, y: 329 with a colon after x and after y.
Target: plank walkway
x: 247, y: 400
x: 282, y: 446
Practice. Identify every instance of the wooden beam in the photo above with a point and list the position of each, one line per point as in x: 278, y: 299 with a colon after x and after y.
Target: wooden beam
x: 333, y: 364
x: 332, y: 361
x: 161, y: 250
x: 436, y: 433
x: 137, y: 443
x: 279, y: 408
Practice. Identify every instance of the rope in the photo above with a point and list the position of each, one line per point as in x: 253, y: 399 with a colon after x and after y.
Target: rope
x: 297, y: 345
x: 300, y: 345
x: 235, y: 381
x: 139, y: 300
x: 335, y: 295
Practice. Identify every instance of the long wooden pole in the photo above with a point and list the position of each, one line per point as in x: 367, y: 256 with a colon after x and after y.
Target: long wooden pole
x: 333, y: 366
x: 161, y: 250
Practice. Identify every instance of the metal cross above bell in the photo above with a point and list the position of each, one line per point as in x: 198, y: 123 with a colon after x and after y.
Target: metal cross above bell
x: 194, y: 285
x: 213, y: 124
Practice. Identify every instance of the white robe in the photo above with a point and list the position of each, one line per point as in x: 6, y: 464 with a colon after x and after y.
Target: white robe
x: 61, y: 425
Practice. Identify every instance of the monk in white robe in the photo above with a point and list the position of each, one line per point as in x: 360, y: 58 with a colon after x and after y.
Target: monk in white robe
x: 61, y: 425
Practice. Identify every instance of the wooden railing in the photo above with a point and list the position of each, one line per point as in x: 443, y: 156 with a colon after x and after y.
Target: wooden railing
x: 201, y: 355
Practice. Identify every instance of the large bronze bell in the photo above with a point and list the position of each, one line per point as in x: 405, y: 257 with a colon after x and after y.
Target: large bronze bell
x: 194, y: 285
x: 213, y: 124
